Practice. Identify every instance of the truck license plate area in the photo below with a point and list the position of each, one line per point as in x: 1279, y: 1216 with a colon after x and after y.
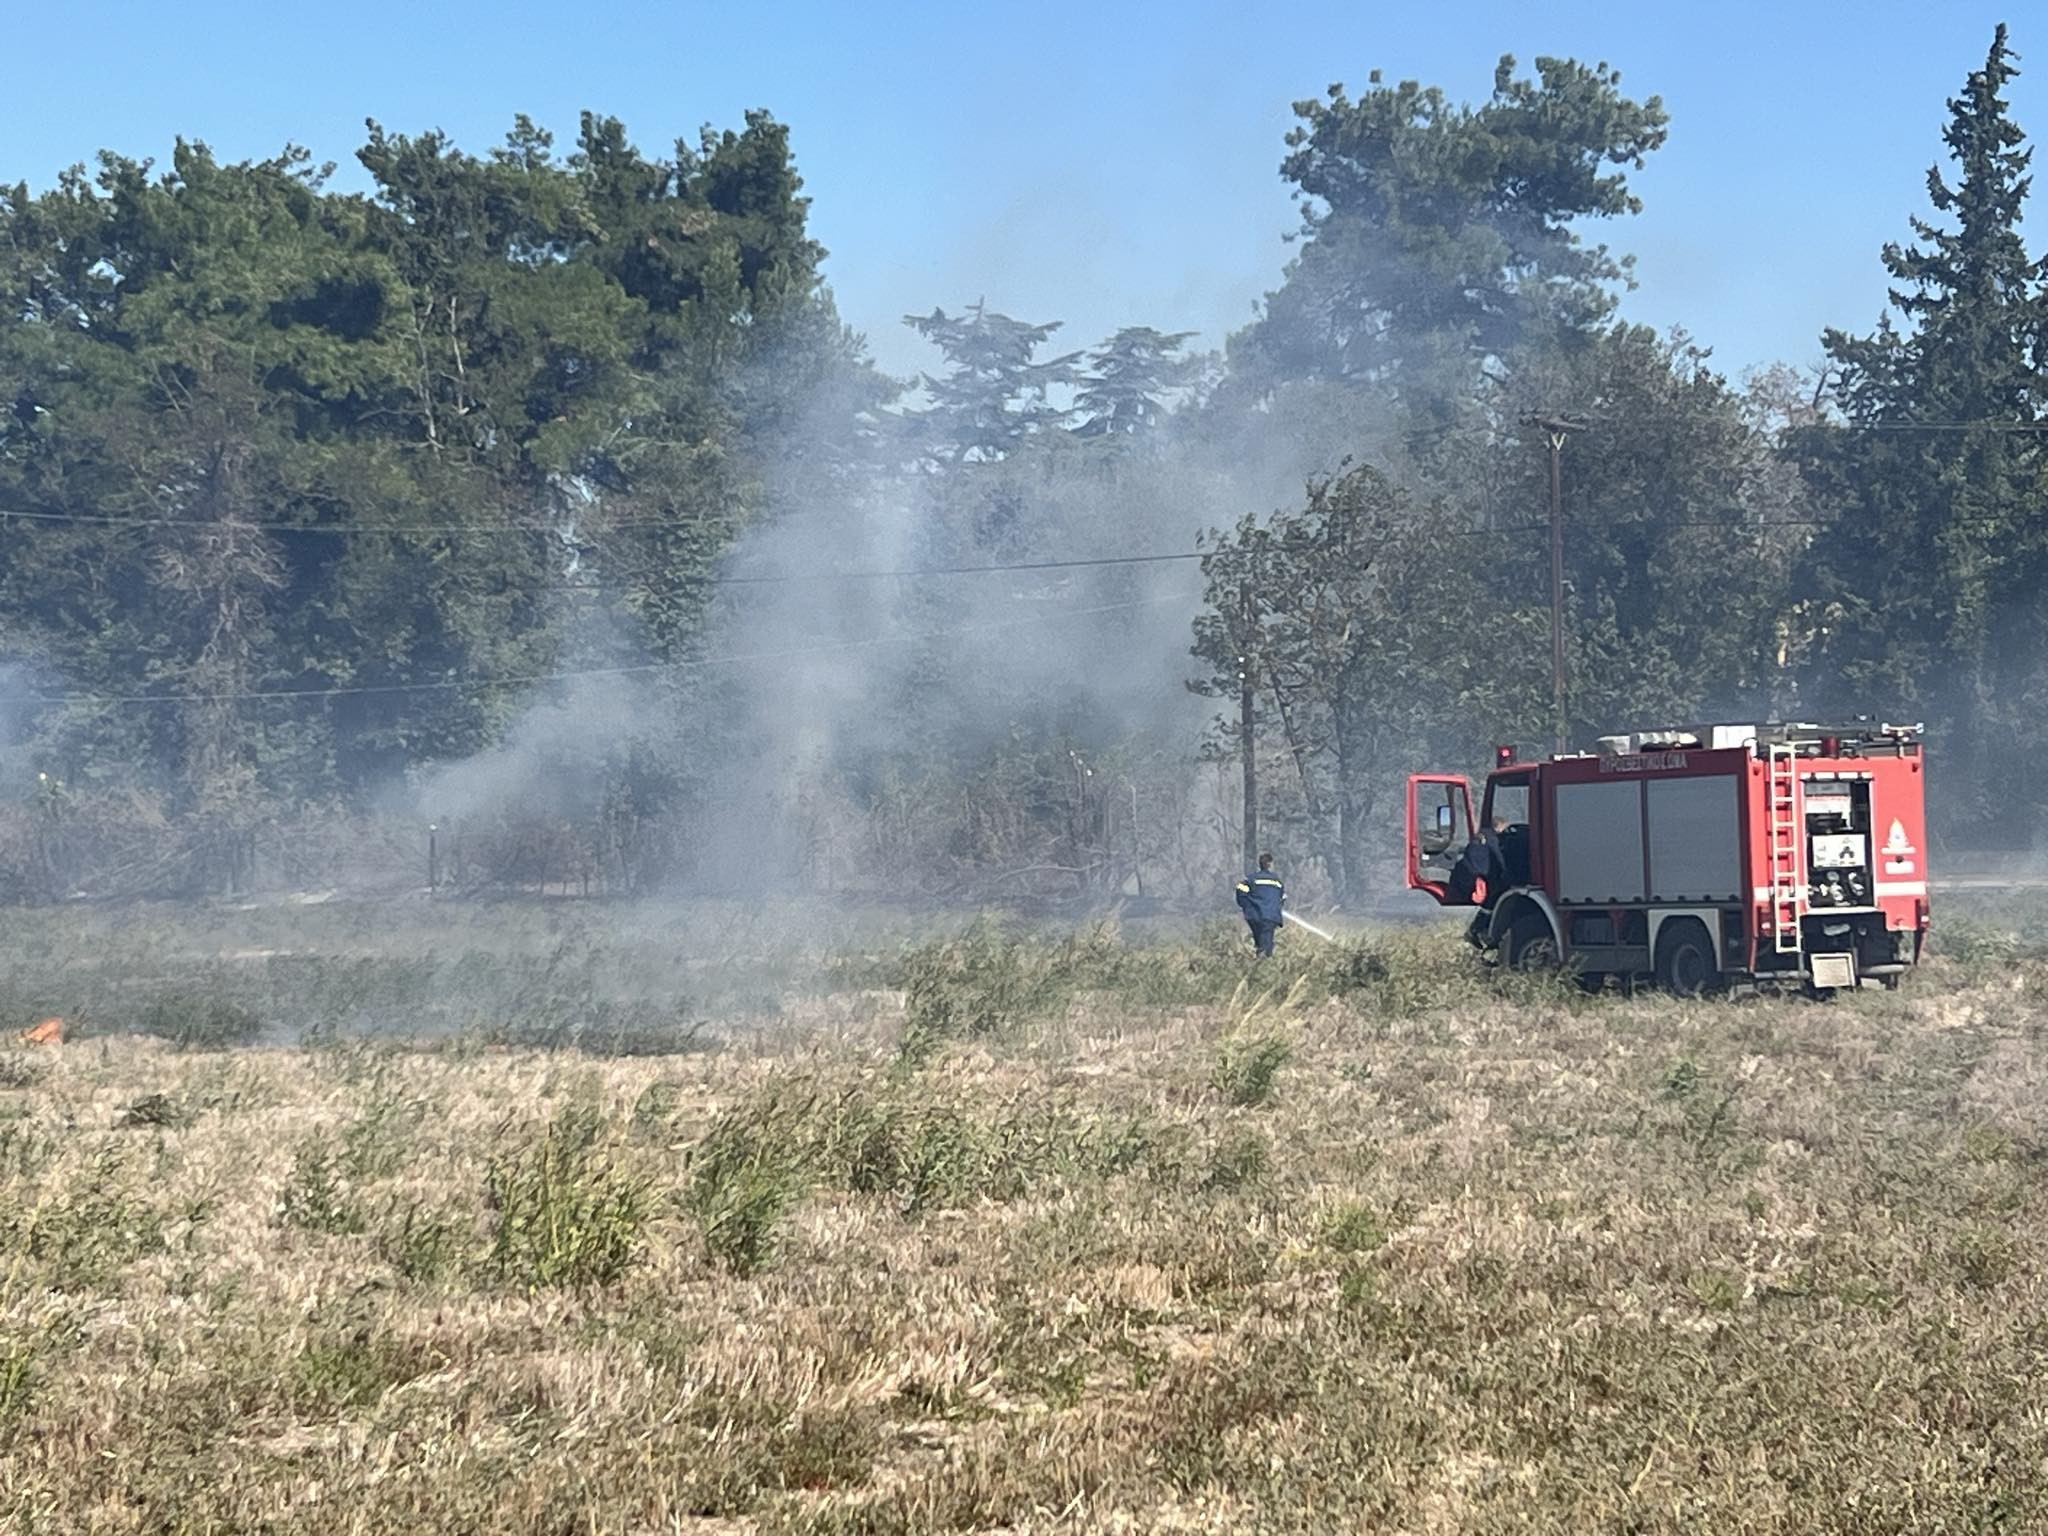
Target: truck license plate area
x: 1834, y: 970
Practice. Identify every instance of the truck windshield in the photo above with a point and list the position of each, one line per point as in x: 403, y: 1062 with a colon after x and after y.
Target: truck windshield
x: 1508, y: 800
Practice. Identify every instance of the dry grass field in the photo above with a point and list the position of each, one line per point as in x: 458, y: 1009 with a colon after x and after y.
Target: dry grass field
x: 568, y: 1222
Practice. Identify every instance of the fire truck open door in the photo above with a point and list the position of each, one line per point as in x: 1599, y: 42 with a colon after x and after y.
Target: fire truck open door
x: 1439, y: 827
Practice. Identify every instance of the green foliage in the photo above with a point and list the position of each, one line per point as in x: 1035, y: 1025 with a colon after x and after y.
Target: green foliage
x: 1351, y: 638
x: 745, y: 1174
x: 562, y: 1212
x: 82, y: 1235
x: 1353, y: 1229
x: 560, y: 345
x: 1984, y: 1256
x: 899, y: 1143
x: 25, y: 1355
x: 17, y: 1071
x: 1974, y: 942
x: 317, y: 1197
x: 1131, y: 380
x: 1926, y: 596
x: 373, y: 1146
x: 285, y: 407
x: 994, y: 392
x: 422, y: 1244
x: 977, y: 987
x: 1436, y: 234
x: 340, y: 1370
x: 1246, y: 1068
x: 738, y: 1210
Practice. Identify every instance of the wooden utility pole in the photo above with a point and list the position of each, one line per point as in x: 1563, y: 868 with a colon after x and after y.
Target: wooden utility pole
x: 1247, y: 741
x: 1556, y: 429
x: 1557, y: 586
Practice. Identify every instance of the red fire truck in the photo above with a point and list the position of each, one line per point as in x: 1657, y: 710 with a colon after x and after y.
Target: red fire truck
x: 1777, y: 854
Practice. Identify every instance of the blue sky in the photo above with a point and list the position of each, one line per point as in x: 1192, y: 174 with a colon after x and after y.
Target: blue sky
x: 1103, y: 164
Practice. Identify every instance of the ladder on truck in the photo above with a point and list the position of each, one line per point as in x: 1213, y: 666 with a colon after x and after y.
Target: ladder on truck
x: 1788, y: 884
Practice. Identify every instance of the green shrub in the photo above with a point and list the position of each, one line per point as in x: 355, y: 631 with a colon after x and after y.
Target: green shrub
x: 981, y: 985
x: 1353, y: 1229
x: 1970, y: 941
x: 746, y: 1172
x: 374, y: 1145
x: 562, y: 1213
x: 1246, y: 1068
x: 738, y: 1214
x: 19, y: 1357
x: 317, y: 1198
x: 87, y: 1234
x: 23, y: 1351
x: 654, y: 1109
x: 351, y: 1369
x: 1359, y: 967
x: 419, y: 1244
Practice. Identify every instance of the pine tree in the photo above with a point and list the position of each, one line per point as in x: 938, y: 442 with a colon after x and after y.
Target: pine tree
x: 1929, y: 586
x: 1131, y: 380
x: 996, y: 391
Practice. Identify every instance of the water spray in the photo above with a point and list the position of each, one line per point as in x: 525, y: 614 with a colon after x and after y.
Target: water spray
x: 1296, y: 921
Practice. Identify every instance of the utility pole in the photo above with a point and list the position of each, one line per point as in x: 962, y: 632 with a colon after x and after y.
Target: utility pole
x: 1245, y: 684
x: 1556, y: 429
x: 1137, y: 842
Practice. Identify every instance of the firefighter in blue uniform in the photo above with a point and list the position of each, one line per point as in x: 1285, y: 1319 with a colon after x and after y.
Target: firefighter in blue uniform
x: 1260, y: 897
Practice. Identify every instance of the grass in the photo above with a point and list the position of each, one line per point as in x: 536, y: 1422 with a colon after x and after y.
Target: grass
x: 1008, y: 1230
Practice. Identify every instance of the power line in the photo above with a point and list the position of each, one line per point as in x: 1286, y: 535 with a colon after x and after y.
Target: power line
x: 1161, y: 558
x: 578, y: 674
x: 776, y: 578
x: 1932, y: 426
x: 347, y: 530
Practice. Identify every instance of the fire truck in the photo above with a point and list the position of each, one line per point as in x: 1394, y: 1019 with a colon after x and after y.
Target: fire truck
x: 1787, y: 855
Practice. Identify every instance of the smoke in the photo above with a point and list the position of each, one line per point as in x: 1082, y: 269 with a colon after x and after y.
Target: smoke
x: 854, y: 690
x: 870, y: 682
x: 551, y: 759
x: 22, y: 721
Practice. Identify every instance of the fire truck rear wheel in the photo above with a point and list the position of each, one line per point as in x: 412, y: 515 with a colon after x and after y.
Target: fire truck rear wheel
x: 1685, y: 959
x: 1530, y: 944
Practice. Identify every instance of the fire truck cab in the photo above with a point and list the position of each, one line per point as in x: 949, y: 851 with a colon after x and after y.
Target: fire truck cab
x: 1773, y: 854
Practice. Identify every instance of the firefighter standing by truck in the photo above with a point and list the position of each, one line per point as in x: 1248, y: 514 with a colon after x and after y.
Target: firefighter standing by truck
x: 1480, y: 873
x: 1261, y: 898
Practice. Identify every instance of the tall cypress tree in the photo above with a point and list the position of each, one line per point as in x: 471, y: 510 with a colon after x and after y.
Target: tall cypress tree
x: 1929, y: 587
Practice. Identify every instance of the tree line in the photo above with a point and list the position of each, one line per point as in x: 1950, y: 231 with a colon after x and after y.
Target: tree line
x: 307, y: 493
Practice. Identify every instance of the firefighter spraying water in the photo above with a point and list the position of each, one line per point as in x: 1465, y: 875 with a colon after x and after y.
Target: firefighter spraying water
x: 1766, y: 854
x: 1262, y: 898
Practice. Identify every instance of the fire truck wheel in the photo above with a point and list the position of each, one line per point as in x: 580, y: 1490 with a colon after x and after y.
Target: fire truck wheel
x: 1530, y: 944
x: 1685, y: 959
